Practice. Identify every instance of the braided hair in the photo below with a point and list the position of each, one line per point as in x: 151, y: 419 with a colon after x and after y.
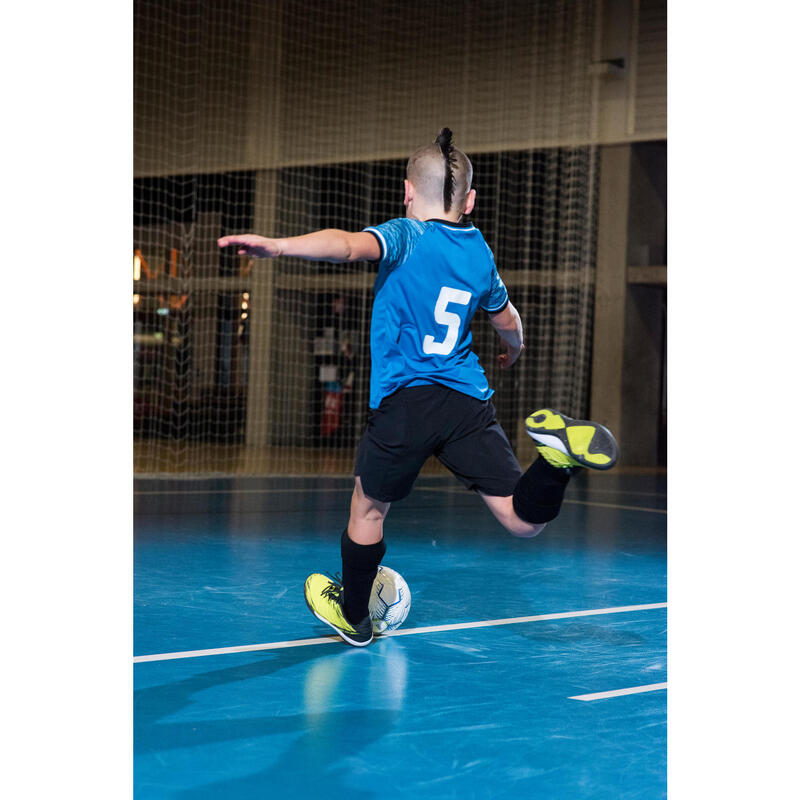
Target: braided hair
x: 444, y: 139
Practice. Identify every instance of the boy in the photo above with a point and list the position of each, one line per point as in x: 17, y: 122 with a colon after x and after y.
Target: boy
x: 428, y: 393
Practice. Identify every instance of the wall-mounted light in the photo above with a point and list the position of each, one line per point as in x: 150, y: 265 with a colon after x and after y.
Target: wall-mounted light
x: 137, y: 266
x: 608, y: 68
x: 136, y: 299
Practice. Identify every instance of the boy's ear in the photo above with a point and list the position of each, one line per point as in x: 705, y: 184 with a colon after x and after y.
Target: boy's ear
x: 409, y: 193
x: 470, y: 204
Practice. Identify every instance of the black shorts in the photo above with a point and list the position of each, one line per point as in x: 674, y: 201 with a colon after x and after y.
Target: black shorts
x: 414, y: 423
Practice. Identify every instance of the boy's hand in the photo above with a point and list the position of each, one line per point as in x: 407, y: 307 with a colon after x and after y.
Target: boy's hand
x: 509, y: 328
x: 248, y: 244
x: 510, y: 356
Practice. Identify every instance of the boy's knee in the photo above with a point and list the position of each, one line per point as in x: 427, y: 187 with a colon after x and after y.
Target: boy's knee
x: 517, y: 526
x: 503, y: 510
x: 524, y: 530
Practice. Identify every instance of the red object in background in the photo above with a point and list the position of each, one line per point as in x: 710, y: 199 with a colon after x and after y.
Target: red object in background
x: 331, y: 413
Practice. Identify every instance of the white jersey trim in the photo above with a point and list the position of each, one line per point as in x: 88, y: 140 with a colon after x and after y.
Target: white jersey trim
x: 377, y: 233
x: 460, y: 230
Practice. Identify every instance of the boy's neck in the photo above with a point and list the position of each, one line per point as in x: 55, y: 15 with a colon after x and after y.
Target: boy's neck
x: 434, y: 214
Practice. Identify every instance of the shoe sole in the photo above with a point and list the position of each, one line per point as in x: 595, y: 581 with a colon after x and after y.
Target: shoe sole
x: 339, y: 631
x: 574, y: 437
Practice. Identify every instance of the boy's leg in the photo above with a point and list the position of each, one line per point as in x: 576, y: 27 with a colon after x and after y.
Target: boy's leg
x: 479, y: 454
x: 503, y: 510
x: 389, y: 457
x: 362, y: 550
x: 366, y: 516
x: 345, y: 606
x: 564, y: 445
x: 536, y: 500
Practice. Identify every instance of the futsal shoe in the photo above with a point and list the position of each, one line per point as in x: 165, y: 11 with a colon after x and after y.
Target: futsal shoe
x: 565, y: 442
x: 324, y: 600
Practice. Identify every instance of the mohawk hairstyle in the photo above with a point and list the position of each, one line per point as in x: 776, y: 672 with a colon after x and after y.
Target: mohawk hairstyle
x: 441, y: 173
x: 444, y: 139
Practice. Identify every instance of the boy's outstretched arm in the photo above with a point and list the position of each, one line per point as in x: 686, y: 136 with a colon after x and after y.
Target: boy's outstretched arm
x: 328, y: 245
x: 509, y: 328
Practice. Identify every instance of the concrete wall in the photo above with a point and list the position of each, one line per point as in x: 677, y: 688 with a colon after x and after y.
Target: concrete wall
x: 629, y: 347
x: 240, y: 84
x: 647, y: 226
x: 641, y: 431
x: 644, y: 347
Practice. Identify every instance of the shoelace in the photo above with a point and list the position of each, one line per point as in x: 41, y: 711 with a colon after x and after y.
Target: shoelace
x: 334, y: 589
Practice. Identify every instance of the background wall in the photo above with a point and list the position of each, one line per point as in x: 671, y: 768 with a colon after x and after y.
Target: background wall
x: 237, y: 84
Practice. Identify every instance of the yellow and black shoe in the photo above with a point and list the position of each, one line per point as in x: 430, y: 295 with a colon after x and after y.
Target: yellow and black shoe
x: 324, y: 600
x: 565, y: 442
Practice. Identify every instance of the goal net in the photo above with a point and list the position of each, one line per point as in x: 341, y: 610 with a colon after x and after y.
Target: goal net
x: 285, y: 117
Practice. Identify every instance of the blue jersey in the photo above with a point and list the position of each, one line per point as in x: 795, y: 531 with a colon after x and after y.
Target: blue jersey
x: 432, y: 278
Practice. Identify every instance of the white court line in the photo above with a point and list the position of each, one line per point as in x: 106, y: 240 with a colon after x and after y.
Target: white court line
x: 229, y: 491
x: 615, y: 505
x: 650, y: 687
x: 595, y: 490
x: 247, y: 648
x: 306, y: 489
x: 417, y: 489
x: 573, y: 502
x: 342, y: 478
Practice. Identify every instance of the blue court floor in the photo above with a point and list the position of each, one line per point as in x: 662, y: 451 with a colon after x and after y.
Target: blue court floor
x: 455, y: 711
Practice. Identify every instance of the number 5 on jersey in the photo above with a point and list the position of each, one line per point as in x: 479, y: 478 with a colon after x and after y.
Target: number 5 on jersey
x: 444, y: 317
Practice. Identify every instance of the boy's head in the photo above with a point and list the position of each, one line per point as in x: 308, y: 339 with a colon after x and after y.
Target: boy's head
x: 439, y: 179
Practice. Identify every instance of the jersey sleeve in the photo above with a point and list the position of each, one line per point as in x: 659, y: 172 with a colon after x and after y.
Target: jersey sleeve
x: 396, y: 238
x: 496, y: 299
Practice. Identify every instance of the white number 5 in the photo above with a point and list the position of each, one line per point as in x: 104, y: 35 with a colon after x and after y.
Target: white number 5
x: 445, y: 317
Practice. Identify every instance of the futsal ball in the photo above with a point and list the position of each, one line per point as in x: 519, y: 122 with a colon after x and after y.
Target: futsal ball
x: 389, y: 601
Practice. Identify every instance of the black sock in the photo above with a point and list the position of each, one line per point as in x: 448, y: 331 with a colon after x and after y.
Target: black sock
x: 359, y: 568
x: 540, y: 491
